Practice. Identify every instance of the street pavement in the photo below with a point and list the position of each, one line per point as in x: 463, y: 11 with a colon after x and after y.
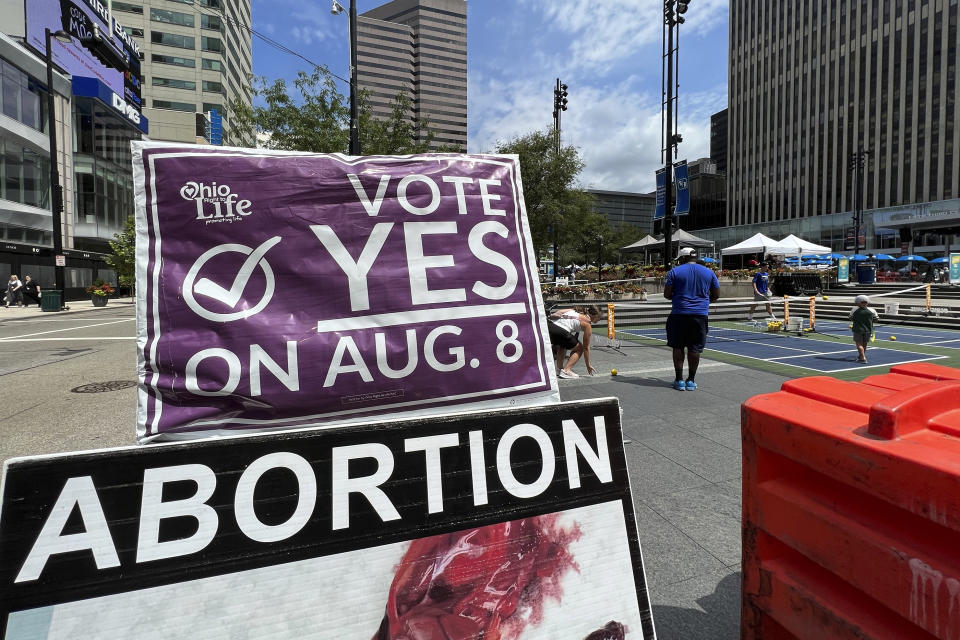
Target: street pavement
x: 67, y: 385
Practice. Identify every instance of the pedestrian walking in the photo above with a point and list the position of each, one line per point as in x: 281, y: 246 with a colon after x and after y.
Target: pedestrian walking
x: 863, y: 318
x: 14, y: 291
x: 691, y: 288
x: 761, y: 292
x: 565, y: 327
x: 31, y: 291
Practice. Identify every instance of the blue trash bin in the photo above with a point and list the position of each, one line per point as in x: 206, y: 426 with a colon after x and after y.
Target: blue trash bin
x: 866, y: 273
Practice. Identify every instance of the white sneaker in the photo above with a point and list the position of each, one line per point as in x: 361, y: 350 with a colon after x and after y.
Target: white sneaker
x: 567, y: 374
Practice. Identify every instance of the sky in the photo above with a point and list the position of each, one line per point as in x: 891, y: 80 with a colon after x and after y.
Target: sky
x: 608, y: 53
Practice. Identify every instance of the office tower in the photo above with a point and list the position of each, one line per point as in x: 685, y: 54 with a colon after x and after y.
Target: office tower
x: 418, y: 47
x: 812, y: 81
x: 196, y: 58
x: 718, y: 140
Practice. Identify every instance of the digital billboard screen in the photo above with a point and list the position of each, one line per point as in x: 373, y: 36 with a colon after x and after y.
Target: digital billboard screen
x: 80, y: 18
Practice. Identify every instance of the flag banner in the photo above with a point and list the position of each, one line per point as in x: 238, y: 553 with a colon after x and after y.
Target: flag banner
x: 683, y: 188
x: 660, y: 211
x: 515, y: 524
x: 282, y: 289
x: 955, y: 268
x: 843, y: 270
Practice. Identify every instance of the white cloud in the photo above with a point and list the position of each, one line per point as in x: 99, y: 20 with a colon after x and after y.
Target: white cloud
x: 601, y: 33
x: 614, y: 116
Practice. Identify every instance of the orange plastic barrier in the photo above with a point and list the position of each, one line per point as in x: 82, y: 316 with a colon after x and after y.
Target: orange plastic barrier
x: 851, y: 508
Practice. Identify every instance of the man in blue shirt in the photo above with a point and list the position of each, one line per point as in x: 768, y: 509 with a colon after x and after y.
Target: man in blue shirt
x: 761, y: 292
x: 691, y: 288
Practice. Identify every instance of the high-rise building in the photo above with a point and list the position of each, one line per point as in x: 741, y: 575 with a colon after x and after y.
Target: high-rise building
x: 813, y: 81
x: 418, y: 47
x: 196, y: 58
x: 718, y: 140
x: 625, y: 208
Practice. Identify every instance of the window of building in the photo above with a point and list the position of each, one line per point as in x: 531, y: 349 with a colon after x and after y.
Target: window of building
x: 129, y: 8
x: 210, y: 22
x: 23, y: 97
x: 133, y: 31
x: 212, y: 65
x: 210, y: 44
x: 174, y: 60
x: 24, y: 175
x: 212, y: 87
x: 209, y: 106
x: 171, y: 17
x: 183, y: 1
x: 172, y: 40
x: 174, y: 83
x: 215, y: 4
x: 175, y: 106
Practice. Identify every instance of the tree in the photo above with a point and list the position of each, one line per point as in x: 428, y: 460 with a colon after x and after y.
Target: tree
x: 317, y: 118
x: 317, y: 121
x: 123, y: 260
x: 550, y: 193
x: 398, y: 135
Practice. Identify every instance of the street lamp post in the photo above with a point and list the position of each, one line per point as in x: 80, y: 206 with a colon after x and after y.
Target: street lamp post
x: 673, y: 11
x: 857, y: 161
x: 599, y: 258
x: 56, y: 191
x: 337, y: 9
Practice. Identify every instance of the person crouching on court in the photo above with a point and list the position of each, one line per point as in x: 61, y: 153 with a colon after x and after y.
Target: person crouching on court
x: 691, y: 288
x: 564, y: 326
x: 863, y: 318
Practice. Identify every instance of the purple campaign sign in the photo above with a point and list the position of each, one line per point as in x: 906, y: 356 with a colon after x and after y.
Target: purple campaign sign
x: 278, y: 289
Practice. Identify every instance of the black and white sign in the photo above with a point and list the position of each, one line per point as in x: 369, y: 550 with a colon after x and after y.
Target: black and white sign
x: 514, y: 524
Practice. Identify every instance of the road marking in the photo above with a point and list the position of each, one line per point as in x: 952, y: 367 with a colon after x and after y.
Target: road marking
x: 40, y: 333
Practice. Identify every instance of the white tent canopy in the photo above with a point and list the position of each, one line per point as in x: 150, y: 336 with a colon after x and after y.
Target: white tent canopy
x: 794, y: 246
x: 757, y: 243
x: 639, y: 245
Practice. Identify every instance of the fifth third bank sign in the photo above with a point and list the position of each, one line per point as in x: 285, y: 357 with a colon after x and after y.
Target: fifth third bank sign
x: 281, y: 290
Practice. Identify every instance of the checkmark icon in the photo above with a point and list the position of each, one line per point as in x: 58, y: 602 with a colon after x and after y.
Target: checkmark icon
x: 232, y: 296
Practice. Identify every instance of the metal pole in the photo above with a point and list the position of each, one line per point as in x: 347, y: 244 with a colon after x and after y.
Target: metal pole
x: 599, y: 258
x: 857, y: 201
x: 56, y: 194
x: 354, y: 117
x: 556, y: 130
x: 668, y: 196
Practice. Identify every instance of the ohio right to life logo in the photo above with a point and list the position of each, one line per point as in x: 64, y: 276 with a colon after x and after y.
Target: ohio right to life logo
x: 216, y: 202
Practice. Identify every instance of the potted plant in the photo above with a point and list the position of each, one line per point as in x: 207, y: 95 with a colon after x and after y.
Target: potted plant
x: 100, y: 292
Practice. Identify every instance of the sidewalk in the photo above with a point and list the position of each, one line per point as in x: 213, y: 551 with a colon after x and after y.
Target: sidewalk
x: 73, y: 306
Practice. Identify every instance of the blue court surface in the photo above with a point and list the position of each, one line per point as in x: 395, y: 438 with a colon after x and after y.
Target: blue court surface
x: 910, y: 335
x: 827, y: 356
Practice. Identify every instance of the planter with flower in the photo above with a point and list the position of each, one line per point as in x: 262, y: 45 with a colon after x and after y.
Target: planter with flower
x: 100, y: 292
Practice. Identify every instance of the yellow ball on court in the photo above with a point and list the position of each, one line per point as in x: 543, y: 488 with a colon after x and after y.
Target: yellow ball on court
x: 851, y: 325
x: 613, y: 372
x: 826, y: 297
x: 894, y: 338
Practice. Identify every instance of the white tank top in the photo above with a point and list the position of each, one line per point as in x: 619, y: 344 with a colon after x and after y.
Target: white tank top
x: 570, y: 320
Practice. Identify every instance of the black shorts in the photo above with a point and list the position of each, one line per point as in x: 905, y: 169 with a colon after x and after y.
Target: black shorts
x: 560, y: 337
x: 687, y: 331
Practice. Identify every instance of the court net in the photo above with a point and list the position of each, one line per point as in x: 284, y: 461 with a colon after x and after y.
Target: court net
x: 728, y: 321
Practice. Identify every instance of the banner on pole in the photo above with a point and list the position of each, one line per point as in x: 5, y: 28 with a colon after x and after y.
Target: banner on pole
x: 514, y: 524
x: 659, y: 212
x: 281, y: 289
x: 843, y: 270
x: 683, y: 188
x: 955, y: 268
